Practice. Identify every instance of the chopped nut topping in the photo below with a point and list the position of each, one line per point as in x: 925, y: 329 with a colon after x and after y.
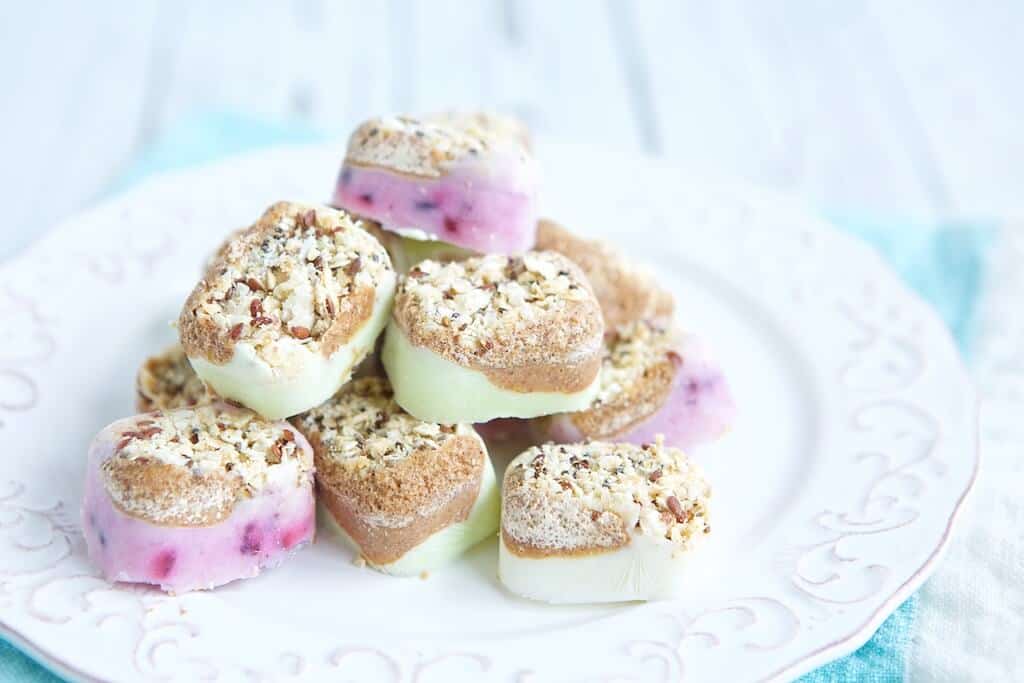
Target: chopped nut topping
x: 430, y: 147
x: 481, y: 299
x: 655, y: 489
x: 213, y: 438
x: 362, y: 426
x: 286, y: 273
x: 276, y: 453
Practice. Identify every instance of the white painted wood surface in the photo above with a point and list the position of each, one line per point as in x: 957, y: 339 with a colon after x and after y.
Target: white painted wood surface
x: 894, y: 108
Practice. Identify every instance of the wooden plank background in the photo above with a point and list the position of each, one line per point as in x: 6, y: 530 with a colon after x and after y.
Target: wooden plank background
x: 897, y: 108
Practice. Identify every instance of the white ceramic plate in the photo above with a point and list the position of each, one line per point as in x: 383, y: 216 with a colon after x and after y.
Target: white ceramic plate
x: 834, y: 495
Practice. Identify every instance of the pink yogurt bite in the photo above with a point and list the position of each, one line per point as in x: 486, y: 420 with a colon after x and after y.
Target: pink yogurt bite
x: 462, y: 182
x: 195, y: 498
x: 653, y: 382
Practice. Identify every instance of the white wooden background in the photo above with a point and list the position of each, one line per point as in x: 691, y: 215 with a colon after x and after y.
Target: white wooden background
x: 888, y: 106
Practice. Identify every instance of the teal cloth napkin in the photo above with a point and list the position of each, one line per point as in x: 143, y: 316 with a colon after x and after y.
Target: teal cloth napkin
x: 943, y: 263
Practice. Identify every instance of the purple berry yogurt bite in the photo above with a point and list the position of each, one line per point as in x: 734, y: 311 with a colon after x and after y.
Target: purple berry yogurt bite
x: 446, y: 178
x: 194, y: 498
x: 654, y: 381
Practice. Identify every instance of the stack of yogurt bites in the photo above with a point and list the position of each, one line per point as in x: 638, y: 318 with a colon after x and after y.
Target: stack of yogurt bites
x: 353, y: 355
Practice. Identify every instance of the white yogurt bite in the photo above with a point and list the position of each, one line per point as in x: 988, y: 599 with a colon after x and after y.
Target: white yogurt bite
x: 626, y: 291
x: 288, y: 308
x: 410, y: 495
x: 654, y: 381
x: 600, y: 522
x: 194, y: 498
x: 167, y: 381
x: 462, y: 180
x: 494, y: 336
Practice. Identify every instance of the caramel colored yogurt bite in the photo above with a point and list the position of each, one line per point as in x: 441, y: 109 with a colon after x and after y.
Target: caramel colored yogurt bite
x: 465, y: 181
x: 288, y: 308
x: 626, y: 291
x: 494, y: 336
x: 167, y: 381
x: 409, y: 495
x: 194, y: 498
x: 600, y: 522
x: 654, y: 381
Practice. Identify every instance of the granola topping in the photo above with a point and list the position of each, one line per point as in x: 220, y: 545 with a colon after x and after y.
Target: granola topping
x: 284, y: 279
x: 211, y: 439
x: 654, y: 489
x: 479, y: 300
x: 363, y: 427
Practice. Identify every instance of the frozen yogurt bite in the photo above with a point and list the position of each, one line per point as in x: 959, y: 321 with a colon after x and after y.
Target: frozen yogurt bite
x: 494, y: 336
x: 409, y: 495
x: 600, y: 522
x: 654, y: 381
x: 194, y: 498
x: 627, y: 292
x: 464, y: 181
x: 167, y: 381
x: 288, y: 308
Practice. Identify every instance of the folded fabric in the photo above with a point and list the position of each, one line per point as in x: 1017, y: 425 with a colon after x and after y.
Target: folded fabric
x: 969, y: 625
